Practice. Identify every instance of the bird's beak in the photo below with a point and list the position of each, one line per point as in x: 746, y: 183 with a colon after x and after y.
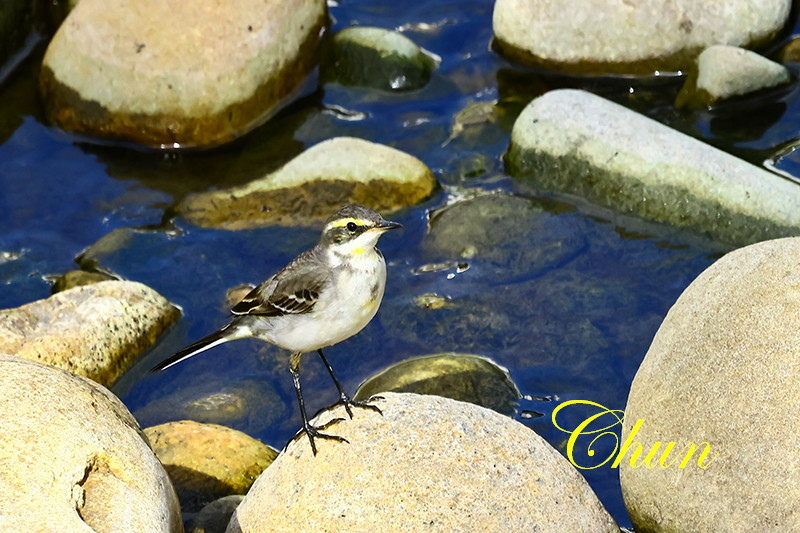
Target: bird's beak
x: 386, y: 225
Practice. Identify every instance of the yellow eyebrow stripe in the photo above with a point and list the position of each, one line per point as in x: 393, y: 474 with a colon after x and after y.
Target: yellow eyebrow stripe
x: 345, y: 221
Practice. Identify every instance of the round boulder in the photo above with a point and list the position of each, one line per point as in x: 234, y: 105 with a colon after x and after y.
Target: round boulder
x: 597, y: 36
x: 723, y: 373
x: 429, y: 463
x: 72, y: 458
x: 173, y: 73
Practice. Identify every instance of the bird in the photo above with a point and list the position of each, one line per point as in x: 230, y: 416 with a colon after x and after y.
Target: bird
x: 325, y: 295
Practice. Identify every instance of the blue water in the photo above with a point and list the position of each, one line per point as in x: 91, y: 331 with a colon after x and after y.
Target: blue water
x: 576, y: 328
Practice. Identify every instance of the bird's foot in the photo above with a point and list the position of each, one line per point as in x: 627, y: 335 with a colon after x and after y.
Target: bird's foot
x: 347, y: 402
x: 313, y: 432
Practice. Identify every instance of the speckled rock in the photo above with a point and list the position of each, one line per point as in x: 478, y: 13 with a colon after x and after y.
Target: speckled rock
x: 724, y: 368
x: 428, y: 463
x: 96, y: 330
x: 207, y: 461
x: 575, y: 142
x: 315, y: 184
x: 72, y: 458
x: 464, y: 377
x: 725, y: 71
x: 214, y: 517
x: 378, y: 58
x: 640, y: 37
x: 165, y: 73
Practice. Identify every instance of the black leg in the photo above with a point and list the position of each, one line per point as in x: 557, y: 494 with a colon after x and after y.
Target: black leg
x: 310, y: 431
x: 344, y: 398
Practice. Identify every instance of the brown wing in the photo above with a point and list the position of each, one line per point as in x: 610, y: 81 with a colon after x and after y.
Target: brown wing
x: 293, y: 290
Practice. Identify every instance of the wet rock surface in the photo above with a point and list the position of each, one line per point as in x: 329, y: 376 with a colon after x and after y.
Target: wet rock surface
x: 207, y: 461
x: 629, y: 38
x: 315, y: 184
x: 573, y: 141
x: 73, y: 457
x: 723, y: 369
x: 170, y: 74
x: 96, y: 330
x: 428, y: 462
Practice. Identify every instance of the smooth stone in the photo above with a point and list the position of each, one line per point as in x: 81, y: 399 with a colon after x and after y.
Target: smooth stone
x: 722, y: 72
x: 575, y: 142
x: 463, y: 377
x: 427, y: 463
x: 643, y: 37
x: 492, y: 230
x: 790, y: 53
x: 172, y: 75
x: 79, y: 278
x: 214, y: 517
x: 315, y: 184
x: 96, y: 330
x: 723, y: 369
x: 74, y: 459
x: 380, y: 58
x: 207, y: 461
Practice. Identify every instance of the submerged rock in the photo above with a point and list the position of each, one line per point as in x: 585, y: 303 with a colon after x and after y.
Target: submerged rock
x: 95, y: 330
x: 207, y: 461
x: 629, y: 37
x: 464, y: 377
x: 575, y: 142
x: 379, y: 58
x: 18, y: 22
x: 170, y: 74
x: 428, y: 463
x: 315, y: 184
x: 724, y: 369
x: 214, y: 517
x: 74, y: 458
x: 725, y: 71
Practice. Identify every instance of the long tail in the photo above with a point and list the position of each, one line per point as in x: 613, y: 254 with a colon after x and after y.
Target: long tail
x: 227, y: 333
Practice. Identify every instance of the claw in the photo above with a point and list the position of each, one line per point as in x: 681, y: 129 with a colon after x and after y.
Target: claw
x: 347, y: 402
x: 313, y: 432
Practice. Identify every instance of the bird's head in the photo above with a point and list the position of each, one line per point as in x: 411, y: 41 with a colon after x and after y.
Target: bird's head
x: 355, y: 229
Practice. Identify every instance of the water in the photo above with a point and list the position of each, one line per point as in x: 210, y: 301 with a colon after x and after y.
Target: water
x: 568, y: 325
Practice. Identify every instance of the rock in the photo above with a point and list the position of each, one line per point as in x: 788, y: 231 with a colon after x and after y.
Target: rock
x: 490, y: 473
x: 315, y: 184
x: 79, y: 278
x: 170, y: 74
x: 95, y: 331
x: 207, y: 461
x: 575, y: 142
x: 725, y: 71
x: 629, y: 38
x: 214, y: 517
x: 790, y: 53
x: 464, y: 377
x: 724, y: 368
x: 73, y: 457
x: 20, y: 20
x: 379, y: 58
x: 495, y: 229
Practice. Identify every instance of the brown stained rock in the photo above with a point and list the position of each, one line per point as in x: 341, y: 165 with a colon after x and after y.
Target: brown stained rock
x: 95, y: 331
x: 207, y: 461
x: 170, y: 73
x: 72, y: 458
x: 315, y: 184
x: 428, y: 464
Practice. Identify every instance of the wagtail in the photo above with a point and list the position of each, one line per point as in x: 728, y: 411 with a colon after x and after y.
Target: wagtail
x: 324, y: 296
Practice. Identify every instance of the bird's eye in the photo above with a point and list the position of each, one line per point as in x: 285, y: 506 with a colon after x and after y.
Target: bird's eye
x: 352, y: 227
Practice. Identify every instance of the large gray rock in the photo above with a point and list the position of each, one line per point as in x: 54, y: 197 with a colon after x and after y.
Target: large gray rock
x: 315, y: 184
x: 72, y: 458
x: 630, y: 37
x: 579, y: 143
x: 724, y: 368
x: 428, y: 463
x: 94, y: 330
x: 171, y: 73
x: 725, y: 71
